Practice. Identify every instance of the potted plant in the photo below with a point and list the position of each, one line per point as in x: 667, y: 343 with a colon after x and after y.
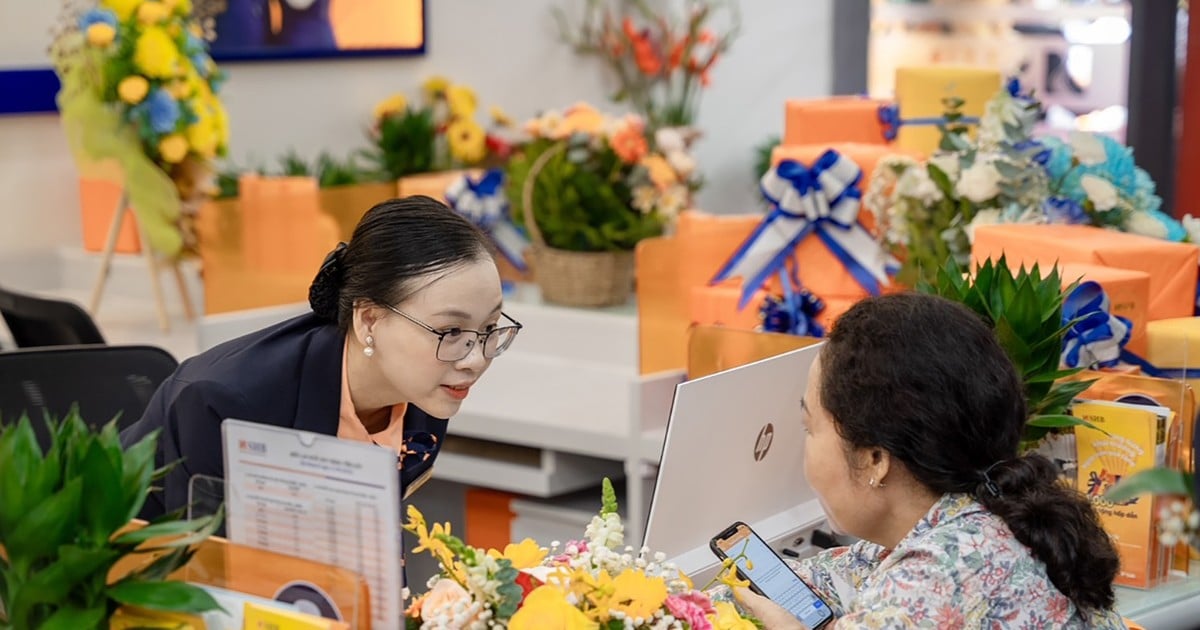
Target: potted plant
x: 1025, y: 310
x: 64, y: 516
x: 588, y: 187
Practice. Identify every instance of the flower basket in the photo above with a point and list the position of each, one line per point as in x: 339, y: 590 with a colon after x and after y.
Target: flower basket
x: 572, y: 278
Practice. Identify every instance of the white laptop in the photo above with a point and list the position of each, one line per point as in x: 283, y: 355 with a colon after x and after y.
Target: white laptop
x: 734, y: 451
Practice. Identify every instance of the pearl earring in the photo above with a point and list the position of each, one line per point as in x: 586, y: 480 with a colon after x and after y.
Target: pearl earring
x: 872, y: 482
x: 369, y: 350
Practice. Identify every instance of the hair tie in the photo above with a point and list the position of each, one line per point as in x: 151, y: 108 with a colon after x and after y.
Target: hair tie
x: 334, y: 257
x: 986, y: 478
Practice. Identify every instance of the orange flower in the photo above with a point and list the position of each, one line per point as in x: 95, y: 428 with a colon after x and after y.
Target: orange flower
x: 582, y: 118
x: 629, y: 143
x: 676, y: 55
x: 644, y: 55
x: 661, y: 173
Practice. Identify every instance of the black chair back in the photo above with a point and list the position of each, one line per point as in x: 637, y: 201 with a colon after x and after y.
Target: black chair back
x: 36, y: 322
x: 103, y: 381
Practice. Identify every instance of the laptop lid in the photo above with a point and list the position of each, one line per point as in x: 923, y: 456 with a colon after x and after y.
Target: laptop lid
x: 734, y: 451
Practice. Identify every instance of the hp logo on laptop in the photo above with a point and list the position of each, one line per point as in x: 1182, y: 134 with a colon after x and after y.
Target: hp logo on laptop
x: 763, y: 443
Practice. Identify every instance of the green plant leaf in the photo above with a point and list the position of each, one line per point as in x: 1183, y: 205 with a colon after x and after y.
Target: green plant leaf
x: 74, y: 564
x: 137, y: 472
x: 20, y: 456
x: 106, y: 509
x: 76, y: 619
x: 164, y: 565
x: 186, y: 532
x: 1061, y: 421
x: 1153, y: 481
x: 48, y: 525
x: 1053, y: 375
x: 166, y: 596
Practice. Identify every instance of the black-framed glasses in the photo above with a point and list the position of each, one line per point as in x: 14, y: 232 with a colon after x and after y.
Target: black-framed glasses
x: 455, y: 344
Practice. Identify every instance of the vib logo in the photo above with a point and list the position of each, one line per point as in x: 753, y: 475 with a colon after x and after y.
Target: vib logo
x: 254, y: 448
x: 763, y: 443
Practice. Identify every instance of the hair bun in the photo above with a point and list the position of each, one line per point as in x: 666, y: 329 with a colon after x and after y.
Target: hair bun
x: 325, y: 290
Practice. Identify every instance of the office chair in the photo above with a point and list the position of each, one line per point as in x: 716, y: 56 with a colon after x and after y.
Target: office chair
x: 37, y: 322
x: 103, y: 381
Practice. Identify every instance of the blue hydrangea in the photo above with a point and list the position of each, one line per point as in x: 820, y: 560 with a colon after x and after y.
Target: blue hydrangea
x: 200, y: 63
x: 97, y: 16
x: 163, y: 111
x: 193, y: 45
x: 1065, y: 210
x: 1118, y: 168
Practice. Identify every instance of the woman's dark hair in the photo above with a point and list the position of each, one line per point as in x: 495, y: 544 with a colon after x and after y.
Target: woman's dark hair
x: 394, y: 243
x: 925, y: 379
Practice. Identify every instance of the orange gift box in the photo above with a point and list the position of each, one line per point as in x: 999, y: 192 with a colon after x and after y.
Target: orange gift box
x: 1171, y: 266
x: 98, y: 199
x: 1128, y: 294
x: 834, y: 119
x: 718, y: 306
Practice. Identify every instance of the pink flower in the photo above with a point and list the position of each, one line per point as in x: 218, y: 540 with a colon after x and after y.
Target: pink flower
x: 692, y: 608
x: 574, y: 549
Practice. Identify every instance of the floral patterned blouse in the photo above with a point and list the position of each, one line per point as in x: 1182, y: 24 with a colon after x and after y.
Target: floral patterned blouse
x: 960, y: 567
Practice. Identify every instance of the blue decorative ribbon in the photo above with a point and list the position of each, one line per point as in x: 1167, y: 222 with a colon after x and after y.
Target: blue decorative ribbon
x: 483, y: 202
x: 1096, y: 337
x: 890, y: 120
x: 821, y: 200
x: 796, y: 312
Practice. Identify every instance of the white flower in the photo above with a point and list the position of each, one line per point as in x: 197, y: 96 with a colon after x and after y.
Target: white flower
x: 669, y: 139
x: 980, y: 182
x: 948, y: 163
x: 672, y: 201
x: 645, y: 198
x: 1146, y: 225
x: 683, y: 163
x: 1088, y: 148
x: 988, y: 216
x: 605, y: 532
x: 1100, y: 192
x: 1192, y: 226
x: 915, y: 183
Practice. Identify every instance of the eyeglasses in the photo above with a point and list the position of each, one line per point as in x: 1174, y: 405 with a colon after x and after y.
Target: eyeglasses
x: 455, y: 344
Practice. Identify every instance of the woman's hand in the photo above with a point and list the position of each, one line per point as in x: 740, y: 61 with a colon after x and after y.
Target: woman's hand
x: 772, y: 615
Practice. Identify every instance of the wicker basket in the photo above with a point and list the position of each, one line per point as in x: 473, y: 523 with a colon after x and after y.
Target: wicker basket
x: 574, y: 278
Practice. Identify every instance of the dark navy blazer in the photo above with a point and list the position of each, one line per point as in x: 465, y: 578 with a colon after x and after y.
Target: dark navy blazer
x: 288, y: 375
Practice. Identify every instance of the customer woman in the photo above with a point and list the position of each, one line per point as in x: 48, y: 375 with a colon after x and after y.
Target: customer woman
x: 914, y: 413
x: 405, y: 318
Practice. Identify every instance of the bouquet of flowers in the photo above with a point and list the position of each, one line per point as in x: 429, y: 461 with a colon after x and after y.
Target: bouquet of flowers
x: 139, y: 87
x: 927, y: 211
x: 439, y: 133
x: 601, y: 183
x: 661, y: 61
x: 592, y: 583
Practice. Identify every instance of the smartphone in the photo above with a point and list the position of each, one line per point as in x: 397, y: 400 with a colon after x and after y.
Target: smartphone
x: 769, y: 576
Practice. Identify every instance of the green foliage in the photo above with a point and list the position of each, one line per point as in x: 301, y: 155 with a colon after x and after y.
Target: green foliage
x: 1153, y: 481
x: 60, y: 511
x: 404, y: 144
x: 1025, y: 310
x: 762, y: 156
x: 580, y: 197
x: 331, y: 172
x: 608, y: 498
x: 291, y: 164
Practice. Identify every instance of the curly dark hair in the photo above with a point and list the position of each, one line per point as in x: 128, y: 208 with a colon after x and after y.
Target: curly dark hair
x: 925, y: 379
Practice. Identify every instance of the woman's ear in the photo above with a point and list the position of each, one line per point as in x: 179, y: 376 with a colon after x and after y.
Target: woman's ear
x: 880, y: 463
x: 366, y: 314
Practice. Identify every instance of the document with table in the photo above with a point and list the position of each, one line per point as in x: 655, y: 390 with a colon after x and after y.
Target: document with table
x: 320, y: 498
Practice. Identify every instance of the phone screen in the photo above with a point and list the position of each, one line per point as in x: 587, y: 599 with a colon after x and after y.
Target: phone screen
x: 771, y: 576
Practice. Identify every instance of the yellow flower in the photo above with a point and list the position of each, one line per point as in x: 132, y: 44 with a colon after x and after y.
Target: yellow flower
x: 393, y: 104
x: 729, y: 575
x: 155, y: 54
x: 523, y: 555
x: 583, y: 118
x: 203, y: 134
x: 547, y: 608
x: 173, y: 148
x: 152, y: 12
x: 133, y: 88
x: 500, y: 117
x: 461, y: 100
x: 101, y: 34
x: 728, y: 618
x: 434, y: 87
x: 123, y: 8
x: 179, y: 89
x: 468, y: 142
x: 660, y: 171
x: 638, y: 595
x: 221, y: 123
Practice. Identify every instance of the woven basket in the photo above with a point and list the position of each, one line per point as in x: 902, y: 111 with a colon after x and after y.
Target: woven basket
x: 573, y: 278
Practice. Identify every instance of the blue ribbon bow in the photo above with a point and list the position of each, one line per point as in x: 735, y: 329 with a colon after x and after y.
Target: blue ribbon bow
x: 821, y: 200
x: 1097, y: 338
x: 796, y: 312
x: 890, y: 121
x: 483, y: 202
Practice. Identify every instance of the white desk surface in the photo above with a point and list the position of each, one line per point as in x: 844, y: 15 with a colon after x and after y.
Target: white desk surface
x: 1175, y: 604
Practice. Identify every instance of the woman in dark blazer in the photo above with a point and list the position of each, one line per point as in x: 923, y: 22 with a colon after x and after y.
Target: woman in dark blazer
x: 404, y: 319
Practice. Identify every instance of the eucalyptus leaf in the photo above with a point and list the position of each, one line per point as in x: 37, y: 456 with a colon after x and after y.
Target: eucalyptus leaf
x: 1153, y: 481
